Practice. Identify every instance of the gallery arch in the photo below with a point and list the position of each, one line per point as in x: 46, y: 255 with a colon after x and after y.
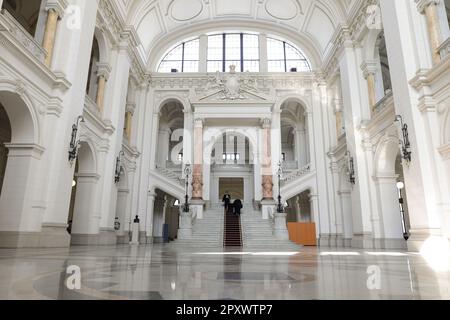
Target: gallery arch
x: 5, y: 137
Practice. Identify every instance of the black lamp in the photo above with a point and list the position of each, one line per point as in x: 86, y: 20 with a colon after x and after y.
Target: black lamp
x: 74, y: 143
x: 406, y: 145
x: 118, y: 168
x: 351, y: 168
x: 187, y: 173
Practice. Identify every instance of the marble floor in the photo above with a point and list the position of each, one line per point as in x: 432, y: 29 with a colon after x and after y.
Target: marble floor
x: 167, y: 272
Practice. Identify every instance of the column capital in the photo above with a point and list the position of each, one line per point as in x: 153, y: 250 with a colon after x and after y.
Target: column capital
x: 199, y: 122
x: 59, y: 6
x: 369, y: 68
x: 266, y: 123
x: 130, y: 107
x: 104, y: 70
x: 423, y: 4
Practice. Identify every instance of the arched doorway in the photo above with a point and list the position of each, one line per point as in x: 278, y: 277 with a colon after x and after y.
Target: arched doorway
x: 85, y: 220
x: 5, y: 137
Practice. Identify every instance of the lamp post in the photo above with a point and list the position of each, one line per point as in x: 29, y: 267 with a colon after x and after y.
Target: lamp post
x: 280, y: 208
x: 73, y: 148
x: 351, y: 168
x: 400, y: 187
x: 187, y: 173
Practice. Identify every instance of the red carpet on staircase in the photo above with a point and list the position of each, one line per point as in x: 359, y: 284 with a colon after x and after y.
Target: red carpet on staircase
x: 232, y: 231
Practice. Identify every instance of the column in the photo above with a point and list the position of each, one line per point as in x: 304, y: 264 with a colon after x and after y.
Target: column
x: 369, y: 69
x: 197, y: 201
x: 298, y: 211
x: 339, y: 121
x: 151, y: 196
x: 131, y: 107
x: 85, y: 222
x: 55, y: 11
x: 430, y: 9
x: 314, y: 205
x: 404, y: 36
x: 267, y: 203
x: 346, y: 207
x: 163, y: 146
x: 391, y: 217
x: 103, y: 74
x: 197, y: 174
x: 19, y: 216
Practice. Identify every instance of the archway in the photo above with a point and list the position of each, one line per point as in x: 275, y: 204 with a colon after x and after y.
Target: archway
x: 20, y: 174
x: 231, y: 168
x: 92, y: 84
x: 388, y: 172
x: 294, y: 135
x: 85, y: 220
x: 170, y: 136
x: 166, y: 213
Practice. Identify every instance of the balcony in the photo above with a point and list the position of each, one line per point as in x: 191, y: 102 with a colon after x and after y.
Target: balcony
x: 17, y: 34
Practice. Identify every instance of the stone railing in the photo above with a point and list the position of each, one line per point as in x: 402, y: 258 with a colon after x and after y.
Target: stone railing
x: 173, y: 176
x: 444, y: 49
x: 297, y: 174
x: 385, y: 102
x: 290, y: 165
x: 21, y: 35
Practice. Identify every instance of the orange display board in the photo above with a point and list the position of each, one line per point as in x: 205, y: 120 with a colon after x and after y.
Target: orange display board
x: 303, y: 233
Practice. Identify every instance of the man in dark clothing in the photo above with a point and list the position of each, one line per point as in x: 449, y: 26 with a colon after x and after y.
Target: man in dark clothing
x: 237, y: 204
x: 226, y: 200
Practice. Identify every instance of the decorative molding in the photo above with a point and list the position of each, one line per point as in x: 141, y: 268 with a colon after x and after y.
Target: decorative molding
x: 423, y: 4
x: 59, y: 6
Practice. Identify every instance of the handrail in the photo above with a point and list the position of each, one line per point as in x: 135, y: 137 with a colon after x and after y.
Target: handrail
x: 297, y: 174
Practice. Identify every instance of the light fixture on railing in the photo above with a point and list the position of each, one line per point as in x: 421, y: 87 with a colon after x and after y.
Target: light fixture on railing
x: 74, y: 143
x: 280, y: 207
x: 406, y: 145
x: 400, y: 187
x: 187, y: 173
x: 118, y: 167
x: 350, y: 168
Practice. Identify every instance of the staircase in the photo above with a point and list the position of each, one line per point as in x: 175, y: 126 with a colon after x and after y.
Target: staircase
x: 207, y: 232
x: 258, y: 234
x: 232, y: 232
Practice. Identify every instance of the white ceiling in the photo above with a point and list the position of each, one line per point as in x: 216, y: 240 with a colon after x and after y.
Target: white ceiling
x: 310, y: 24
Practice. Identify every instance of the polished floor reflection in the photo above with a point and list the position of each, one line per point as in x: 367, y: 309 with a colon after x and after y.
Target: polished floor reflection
x: 167, y: 272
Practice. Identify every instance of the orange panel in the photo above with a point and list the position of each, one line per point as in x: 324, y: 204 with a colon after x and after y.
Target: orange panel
x: 302, y: 233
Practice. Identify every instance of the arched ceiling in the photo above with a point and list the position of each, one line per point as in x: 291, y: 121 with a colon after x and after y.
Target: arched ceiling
x: 310, y: 24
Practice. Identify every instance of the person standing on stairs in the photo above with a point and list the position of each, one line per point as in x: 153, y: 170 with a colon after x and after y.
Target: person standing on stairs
x: 237, y: 205
x: 226, y: 200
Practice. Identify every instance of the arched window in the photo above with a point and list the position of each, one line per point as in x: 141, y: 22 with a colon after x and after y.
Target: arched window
x: 239, y: 49
x: 182, y: 58
x: 284, y: 57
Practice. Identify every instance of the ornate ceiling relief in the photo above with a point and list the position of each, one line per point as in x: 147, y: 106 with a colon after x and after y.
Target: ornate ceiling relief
x: 283, y: 9
x: 231, y: 86
x: 184, y: 10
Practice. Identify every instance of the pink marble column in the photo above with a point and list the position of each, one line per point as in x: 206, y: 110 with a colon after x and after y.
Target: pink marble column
x: 267, y: 174
x: 430, y: 10
x: 197, y: 174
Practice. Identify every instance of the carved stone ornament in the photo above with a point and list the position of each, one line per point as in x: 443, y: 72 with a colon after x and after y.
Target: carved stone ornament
x: 231, y: 86
x: 267, y: 185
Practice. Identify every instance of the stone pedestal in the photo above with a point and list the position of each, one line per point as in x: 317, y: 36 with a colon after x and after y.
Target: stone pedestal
x: 197, y: 207
x: 135, y: 234
x: 185, y: 229
x: 280, y: 230
x: 267, y: 208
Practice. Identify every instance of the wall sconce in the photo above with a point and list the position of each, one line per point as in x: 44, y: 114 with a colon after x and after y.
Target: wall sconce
x: 351, y: 168
x: 406, y: 145
x: 74, y: 143
x: 118, y: 168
